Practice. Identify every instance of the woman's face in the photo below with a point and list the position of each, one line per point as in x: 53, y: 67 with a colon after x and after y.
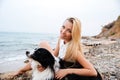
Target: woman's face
x: 66, y: 31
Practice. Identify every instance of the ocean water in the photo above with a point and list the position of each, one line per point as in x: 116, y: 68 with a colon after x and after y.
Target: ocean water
x: 13, y: 45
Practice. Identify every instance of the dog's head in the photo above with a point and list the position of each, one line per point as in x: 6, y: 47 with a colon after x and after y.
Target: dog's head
x: 43, y: 56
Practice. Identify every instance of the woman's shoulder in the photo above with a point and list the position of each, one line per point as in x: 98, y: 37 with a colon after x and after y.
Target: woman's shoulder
x: 80, y: 57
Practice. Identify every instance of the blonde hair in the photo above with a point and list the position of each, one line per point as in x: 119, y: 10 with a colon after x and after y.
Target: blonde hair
x: 74, y: 46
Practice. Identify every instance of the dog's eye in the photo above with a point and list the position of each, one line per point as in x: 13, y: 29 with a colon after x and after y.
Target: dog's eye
x: 38, y: 66
x: 35, y: 49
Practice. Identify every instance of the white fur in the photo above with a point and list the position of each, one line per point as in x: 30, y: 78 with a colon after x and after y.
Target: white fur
x: 37, y: 75
x: 46, y: 74
x: 57, y: 64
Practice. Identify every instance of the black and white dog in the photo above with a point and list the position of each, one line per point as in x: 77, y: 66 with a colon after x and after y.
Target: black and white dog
x: 42, y: 57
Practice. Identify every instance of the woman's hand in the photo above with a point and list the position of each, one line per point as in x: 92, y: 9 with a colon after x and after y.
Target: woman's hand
x: 61, y: 73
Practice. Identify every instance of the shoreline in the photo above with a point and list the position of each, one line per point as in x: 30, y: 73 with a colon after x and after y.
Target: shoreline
x: 8, y: 69
x: 11, y: 66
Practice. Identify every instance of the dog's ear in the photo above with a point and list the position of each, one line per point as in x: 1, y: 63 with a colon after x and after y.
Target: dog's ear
x: 27, y: 54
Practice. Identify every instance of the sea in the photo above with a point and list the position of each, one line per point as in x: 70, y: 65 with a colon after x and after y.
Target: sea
x: 13, y: 45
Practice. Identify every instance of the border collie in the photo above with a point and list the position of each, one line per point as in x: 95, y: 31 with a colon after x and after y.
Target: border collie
x: 42, y: 57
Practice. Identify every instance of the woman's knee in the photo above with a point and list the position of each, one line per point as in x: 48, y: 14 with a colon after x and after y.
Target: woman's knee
x: 46, y: 45
x: 43, y: 44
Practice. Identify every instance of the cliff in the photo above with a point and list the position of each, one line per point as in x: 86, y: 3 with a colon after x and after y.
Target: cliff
x: 111, y: 30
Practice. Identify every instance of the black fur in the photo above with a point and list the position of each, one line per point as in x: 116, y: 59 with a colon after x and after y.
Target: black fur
x: 43, y: 56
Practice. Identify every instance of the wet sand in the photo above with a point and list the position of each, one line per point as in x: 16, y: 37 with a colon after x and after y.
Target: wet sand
x: 11, y: 66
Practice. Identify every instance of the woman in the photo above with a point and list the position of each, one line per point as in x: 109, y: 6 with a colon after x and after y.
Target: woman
x: 69, y: 49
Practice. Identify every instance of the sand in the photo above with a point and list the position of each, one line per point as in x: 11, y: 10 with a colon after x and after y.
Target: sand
x: 11, y: 66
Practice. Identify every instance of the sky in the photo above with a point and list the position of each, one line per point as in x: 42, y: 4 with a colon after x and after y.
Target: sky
x: 47, y: 16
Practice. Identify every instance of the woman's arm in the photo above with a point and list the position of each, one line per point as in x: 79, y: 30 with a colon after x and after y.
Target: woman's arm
x: 56, y: 51
x: 87, y: 70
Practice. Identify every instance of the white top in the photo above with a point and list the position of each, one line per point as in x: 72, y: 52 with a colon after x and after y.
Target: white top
x: 62, y: 49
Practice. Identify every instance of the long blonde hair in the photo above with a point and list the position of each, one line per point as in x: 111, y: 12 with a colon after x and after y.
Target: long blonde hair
x: 74, y: 46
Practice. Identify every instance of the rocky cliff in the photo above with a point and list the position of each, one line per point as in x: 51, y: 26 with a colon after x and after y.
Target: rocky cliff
x: 111, y: 30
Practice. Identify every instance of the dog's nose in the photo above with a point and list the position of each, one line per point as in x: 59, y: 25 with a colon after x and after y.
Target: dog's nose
x: 27, y: 53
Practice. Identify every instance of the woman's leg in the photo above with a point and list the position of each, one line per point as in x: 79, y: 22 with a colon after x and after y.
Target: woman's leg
x: 22, y: 70
x: 46, y: 45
